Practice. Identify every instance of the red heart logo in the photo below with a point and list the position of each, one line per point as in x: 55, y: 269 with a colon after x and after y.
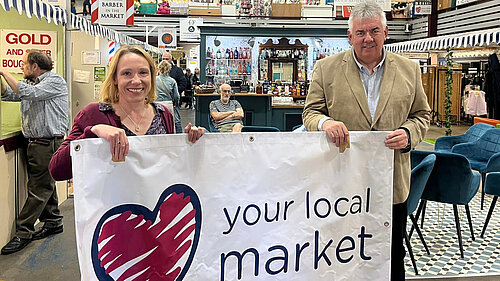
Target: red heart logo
x: 130, y: 241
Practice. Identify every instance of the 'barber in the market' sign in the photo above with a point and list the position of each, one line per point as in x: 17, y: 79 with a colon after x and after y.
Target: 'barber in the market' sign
x: 113, y: 12
x: 14, y: 43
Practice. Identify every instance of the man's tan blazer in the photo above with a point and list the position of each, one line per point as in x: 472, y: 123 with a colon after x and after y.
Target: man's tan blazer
x: 337, y: 91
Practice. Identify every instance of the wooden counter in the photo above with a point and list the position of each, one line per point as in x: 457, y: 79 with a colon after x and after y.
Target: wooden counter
x: 296, y: 105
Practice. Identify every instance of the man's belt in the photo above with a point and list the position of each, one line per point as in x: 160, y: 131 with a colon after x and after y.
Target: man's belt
x: 46, y: 140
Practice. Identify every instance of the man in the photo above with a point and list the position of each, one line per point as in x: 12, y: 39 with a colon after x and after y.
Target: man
x: 176, y: 73
x: 226, y: 114
x: 367, y: 88
x: 44, y: 105
x: 188, y: 93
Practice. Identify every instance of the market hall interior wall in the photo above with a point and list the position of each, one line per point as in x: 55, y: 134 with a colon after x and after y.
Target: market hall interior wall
x: 83, y: 92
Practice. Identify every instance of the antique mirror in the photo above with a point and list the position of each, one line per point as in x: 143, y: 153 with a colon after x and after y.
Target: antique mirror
x: 282, y: 62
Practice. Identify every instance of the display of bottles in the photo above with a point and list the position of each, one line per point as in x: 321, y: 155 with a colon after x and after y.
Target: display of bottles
x: 273, y: 53
x: 226, y: 63
x: 244, y: 53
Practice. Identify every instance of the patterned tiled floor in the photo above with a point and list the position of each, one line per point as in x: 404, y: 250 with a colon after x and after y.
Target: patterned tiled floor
x: 481, y: 256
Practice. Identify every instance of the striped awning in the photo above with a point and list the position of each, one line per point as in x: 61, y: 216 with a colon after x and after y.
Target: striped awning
x: 57, y: 15
x: 482, y: 38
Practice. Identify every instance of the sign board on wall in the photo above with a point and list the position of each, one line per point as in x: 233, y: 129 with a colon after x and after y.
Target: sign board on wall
x: 14, y: 43
x: 113, y: 12
x: 189, y: 29
x: 167, y: 39
x: 422, y: 8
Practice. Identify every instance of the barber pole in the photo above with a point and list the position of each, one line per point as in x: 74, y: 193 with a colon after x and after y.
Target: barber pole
x: 130, y: 12
x: 111, y: 50
x: 95, y: 11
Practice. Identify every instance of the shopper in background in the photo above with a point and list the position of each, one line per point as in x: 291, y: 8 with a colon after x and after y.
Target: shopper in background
x: 168, y: 94
x: 188, y: 93
x: 176, y: 73
x: 196, y: 77
x: 125, y: 108
x: 73, y: 7
x: 44, y: 119
x: 367, y: 88
x: 226, y: 114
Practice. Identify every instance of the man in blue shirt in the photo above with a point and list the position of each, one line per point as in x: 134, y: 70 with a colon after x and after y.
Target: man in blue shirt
x: 44, y: 120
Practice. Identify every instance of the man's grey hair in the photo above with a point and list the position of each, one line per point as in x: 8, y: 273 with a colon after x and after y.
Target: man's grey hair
x: 367, y: 10
x: 224, y: 84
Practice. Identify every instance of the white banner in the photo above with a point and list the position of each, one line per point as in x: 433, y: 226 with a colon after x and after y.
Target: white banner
x: 249, y: 206
x: 14, y: 44
x: 167, y: 38
x: 189, y: 29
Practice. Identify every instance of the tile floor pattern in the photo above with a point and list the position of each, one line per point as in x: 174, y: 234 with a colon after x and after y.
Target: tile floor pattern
x: 480, y: 256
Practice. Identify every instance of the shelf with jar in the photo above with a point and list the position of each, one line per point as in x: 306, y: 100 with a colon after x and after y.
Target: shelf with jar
x: 229, y: 59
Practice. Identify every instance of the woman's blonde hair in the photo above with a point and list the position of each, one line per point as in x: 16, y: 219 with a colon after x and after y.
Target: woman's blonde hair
x: 109, y: 90
x: 164, y: 67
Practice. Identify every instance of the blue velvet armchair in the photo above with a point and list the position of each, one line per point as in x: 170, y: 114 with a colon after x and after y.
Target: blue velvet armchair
x: 451, y: 181
x: 492, y: 186
x: 483, y: 154
x: 419, y: 176
x: 445, y: 144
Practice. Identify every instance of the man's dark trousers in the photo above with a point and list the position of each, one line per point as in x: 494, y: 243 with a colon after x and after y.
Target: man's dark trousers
x: 42, y: 200
x: 399, y: 215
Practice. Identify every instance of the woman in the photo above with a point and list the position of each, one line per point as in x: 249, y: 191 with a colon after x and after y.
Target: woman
x: 125, y: 108
x: 195, y: 79
x: 168, y: 93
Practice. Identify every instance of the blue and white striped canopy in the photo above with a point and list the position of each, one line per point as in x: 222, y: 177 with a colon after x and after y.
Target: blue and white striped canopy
x: 483, y: 38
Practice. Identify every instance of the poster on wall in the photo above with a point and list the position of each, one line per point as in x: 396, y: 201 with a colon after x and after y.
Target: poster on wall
x: 167, y: 38
x: 93, y: 57
x: 99, y: 73
x: 189, y: 29
x: 14, y: 43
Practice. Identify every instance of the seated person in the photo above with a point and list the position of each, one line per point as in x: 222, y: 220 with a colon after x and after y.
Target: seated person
x: 226, y: 114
